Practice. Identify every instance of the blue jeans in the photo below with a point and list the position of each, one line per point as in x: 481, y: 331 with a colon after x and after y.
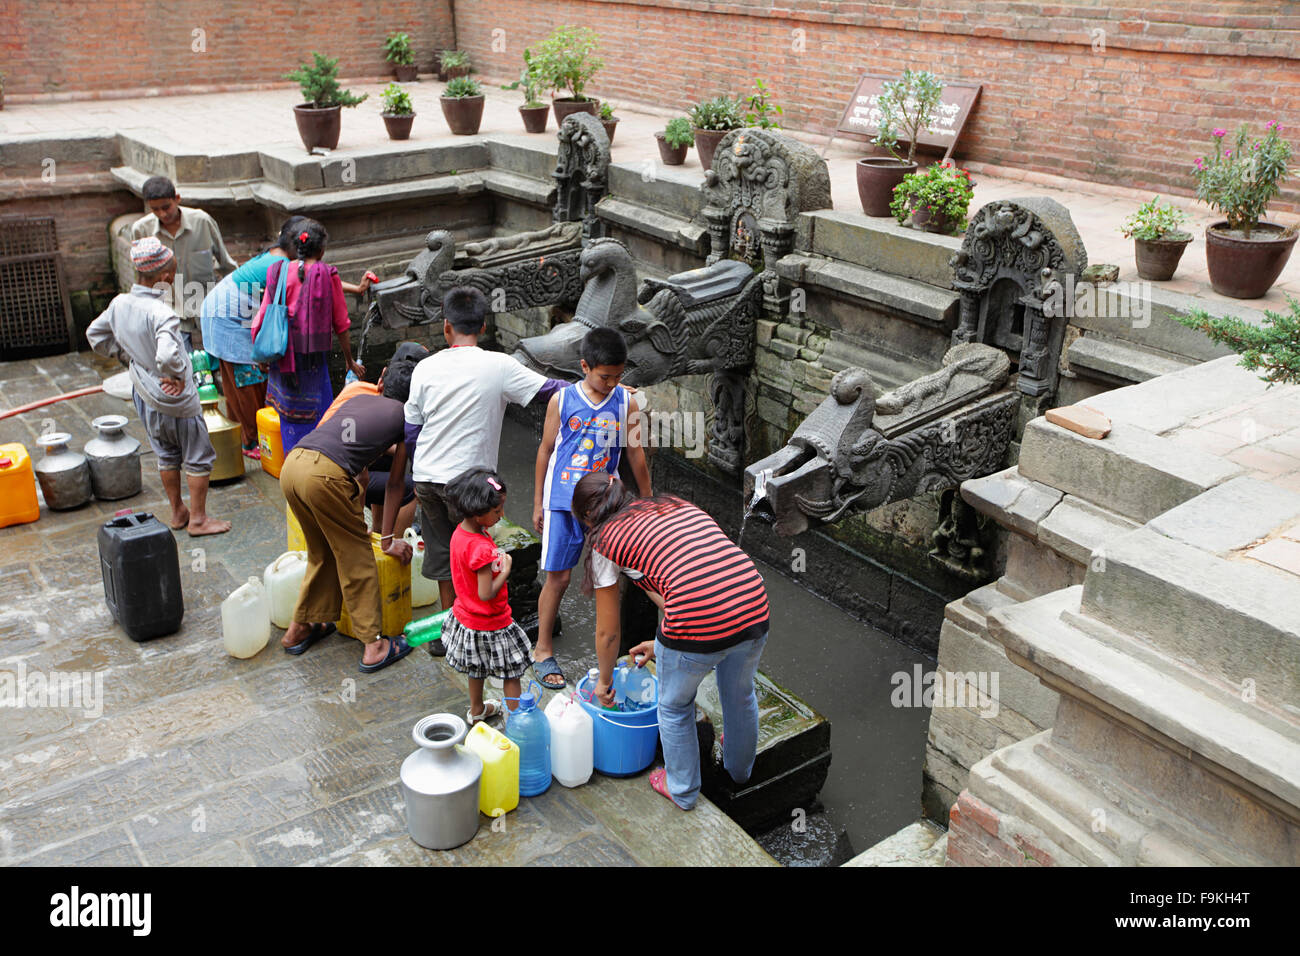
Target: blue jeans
x: 680, y: 673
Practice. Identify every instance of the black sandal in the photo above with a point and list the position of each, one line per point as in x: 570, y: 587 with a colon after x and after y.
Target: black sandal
x: 317, y: 632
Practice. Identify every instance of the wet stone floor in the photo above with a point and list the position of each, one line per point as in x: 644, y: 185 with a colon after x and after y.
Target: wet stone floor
x: 177, y: 753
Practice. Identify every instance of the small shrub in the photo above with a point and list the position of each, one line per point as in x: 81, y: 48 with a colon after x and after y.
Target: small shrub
x: 397, y: 49
x: 320, y: 83
x: 1239, y: 180
x: 463, y: 86
x: 453, y: 59
x: 907, y: 106
x: 397, y: 102
x: 761, y: 112
x: 567, y: 60
x: 943, y: 190
x: 1154, y: 221
x: 719, y: 113
x: 678, y: 133
x: 1273, y: 347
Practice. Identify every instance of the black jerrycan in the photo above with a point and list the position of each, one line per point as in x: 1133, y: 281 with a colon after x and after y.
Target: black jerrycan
x: 142, y: 575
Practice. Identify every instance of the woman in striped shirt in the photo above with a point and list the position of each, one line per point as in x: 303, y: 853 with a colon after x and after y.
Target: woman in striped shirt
x: 715, y: 617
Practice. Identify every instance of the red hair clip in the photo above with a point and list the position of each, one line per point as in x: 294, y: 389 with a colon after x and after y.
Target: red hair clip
x: 302, y: 237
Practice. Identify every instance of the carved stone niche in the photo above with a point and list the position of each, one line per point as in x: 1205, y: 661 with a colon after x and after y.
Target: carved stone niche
x: 581, y: 173
x: 1014, y: 253
x: 760, y: 182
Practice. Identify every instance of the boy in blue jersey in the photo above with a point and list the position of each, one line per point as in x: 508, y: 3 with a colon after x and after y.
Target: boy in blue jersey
x: 587, y: 427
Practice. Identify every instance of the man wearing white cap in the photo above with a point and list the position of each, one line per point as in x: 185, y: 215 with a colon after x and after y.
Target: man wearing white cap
x: 139, y: 328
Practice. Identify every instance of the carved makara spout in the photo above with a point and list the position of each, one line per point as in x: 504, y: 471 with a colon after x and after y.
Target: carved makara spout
x: 858, y: 451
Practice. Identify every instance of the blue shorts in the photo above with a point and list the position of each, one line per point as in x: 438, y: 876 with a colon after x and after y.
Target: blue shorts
x: 562, y: 539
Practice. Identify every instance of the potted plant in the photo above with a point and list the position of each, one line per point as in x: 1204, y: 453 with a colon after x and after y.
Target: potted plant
x: 319, y: 117
x: 712, y: 120
x: 534, y: 111
x: 608, y: 120
x: 936, y: 199
x: 397, y: 51
x: 907, y: 106
x: 566, y: 61
x: 760, y: 111
x: 1158, y: 243
x: 1245, y: 256
x: 453, y: 63
x: 462, y: 105
x: 398, y: 114
x: 674, y: 140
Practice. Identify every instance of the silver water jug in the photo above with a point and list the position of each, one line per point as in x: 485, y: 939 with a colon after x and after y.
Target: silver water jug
x: 63, y: 473
x: 114, y: 460
x: 440, y: 782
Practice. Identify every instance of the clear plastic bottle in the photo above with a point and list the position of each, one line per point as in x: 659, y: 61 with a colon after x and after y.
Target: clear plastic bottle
x: 531, y: 731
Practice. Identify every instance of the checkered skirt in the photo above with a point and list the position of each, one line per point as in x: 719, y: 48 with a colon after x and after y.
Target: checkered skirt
x: 505, y: 653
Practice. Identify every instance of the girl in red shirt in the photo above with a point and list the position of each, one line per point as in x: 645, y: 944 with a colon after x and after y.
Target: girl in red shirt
x: 480, y: 635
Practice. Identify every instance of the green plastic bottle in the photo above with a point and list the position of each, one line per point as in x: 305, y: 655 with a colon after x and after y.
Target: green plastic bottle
x: 426, y: 629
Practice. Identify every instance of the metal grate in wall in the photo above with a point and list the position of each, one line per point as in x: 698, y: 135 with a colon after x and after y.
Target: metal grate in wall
x: 35, y: 313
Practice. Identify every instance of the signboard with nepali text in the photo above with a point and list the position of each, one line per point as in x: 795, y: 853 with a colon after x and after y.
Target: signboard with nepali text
x: 861, y: 117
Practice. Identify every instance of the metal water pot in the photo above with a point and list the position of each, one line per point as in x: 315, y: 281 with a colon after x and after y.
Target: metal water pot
x: 440, y: 782
x: 114, y: 460
x: 63, y: 473
x: 225, y: 436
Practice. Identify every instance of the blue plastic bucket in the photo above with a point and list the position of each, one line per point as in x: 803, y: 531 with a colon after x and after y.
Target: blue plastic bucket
x: 624, y: 741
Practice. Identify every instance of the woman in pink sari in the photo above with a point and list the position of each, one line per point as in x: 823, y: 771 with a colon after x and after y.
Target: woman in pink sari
x: 298, y: 385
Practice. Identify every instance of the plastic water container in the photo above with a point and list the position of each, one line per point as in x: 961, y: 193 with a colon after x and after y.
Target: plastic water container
x: 394, y: 594
x: 634, y: 687
x: 295, y: 540
x: 142, y: 575
x: 18, y: 504
x: 499, y: 785
x: 572, y: 741
x: 529, y: 728
x: 426, y: 629
x: 283, y: 582
x: 246, y: 619
x: 268, y: 437
x: 423, y: 591
x: 623, y: 742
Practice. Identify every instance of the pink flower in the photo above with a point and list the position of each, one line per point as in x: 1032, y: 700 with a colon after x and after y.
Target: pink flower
x: 1227, y: 152
x: 1220, y: 133
x: 1272, y: 124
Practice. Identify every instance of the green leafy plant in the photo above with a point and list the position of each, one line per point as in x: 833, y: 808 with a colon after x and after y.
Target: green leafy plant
x: 719, y: 113
x: 606, y: 111
x: 678, y: 133
x: 463, y: 86
x: 567, y: 60
x: 529, y: 81
x: 761, y: 111
x: 397, y: 102
x: 943, y: 190
x: 397, y: 49
x: 1154, y: 220
x: 907, y: 106
x: 1273, y: 346
x: 1240, y: 180
x: 320, y: 83
x: 453, y: 59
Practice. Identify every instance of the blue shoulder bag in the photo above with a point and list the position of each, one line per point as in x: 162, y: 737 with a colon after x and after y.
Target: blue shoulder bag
x: 273, y: 337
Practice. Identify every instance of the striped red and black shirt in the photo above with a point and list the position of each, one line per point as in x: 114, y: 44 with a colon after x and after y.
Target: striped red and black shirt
x: 714, y: 597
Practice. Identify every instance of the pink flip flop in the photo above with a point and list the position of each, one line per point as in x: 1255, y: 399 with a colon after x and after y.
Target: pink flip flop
x: 659, y: 784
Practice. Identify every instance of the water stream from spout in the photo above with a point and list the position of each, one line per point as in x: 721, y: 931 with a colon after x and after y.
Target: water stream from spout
x: 760, y: 492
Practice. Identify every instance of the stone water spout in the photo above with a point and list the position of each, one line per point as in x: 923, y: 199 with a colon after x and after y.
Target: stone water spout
x: 859, y: 450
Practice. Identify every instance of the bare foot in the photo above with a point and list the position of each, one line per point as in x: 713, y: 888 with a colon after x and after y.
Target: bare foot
x: 208, y: 526
x: 180, y: 519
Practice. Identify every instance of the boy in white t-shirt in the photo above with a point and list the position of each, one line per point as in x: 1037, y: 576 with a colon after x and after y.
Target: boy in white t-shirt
x: 458, y: 400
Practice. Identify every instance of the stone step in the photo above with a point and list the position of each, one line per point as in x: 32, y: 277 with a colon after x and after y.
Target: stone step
x: 882, y: 244
x: 663, y: 226
x: 153, y: 154
x: 1135, y: 472
x: 896, y: 295
x: 1152, y: 692
x: 922, y: 843
x: 652, y: 185
x: 1121, y: 362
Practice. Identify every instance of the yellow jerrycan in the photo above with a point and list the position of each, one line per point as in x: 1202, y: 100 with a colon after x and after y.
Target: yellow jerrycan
x: 499, y: 790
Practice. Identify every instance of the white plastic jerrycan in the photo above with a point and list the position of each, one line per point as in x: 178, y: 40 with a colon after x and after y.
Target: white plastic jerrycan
x: 283, y: 582
x: 423, y: 591
x: 246, y: 619
x: 572, y: 741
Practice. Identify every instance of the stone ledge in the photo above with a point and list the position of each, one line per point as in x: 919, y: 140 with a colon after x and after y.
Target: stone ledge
x: 666, y: 228
x: 463, y: 184
x: 897, y: 295
x: 1076, y: 528
x: 1229, y: 516
x: 673, y: 190
x: 921, y: 844
x: 1012, y: 500
x: 522, y: 188
x: 1159, y: 330
x: 22, y: 154
x: 1121, y: 362
x: 1137, y: 472
x: 1150, y: 699
x: 882, y: 244
x: 193, y: 194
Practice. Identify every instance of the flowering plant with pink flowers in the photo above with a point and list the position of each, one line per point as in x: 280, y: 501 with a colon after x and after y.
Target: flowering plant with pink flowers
x: 1240, y: 179
x: 943, y: 192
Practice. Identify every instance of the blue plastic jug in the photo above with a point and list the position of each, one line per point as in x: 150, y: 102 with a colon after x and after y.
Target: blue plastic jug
x: 634, y: 687
x: 531, y: 731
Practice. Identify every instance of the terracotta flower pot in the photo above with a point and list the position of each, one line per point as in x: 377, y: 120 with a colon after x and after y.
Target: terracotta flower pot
x: 877, y: 177
x: 319, y: 127
x: 671, y: 155
x: 454, y: 71
x: 535, y: 117
x: 405, y: 72
x: 464, y: 114
x: 610, y: 125
x: 924, y: 218
x: 1246, y: 268
x: 1157, y: 259
x: 706, y: 143
x: 398, y: 124
x: 567, y: 105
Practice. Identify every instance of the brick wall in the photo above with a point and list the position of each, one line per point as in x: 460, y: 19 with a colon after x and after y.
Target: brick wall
x: 91, y: 45
x: 1121, y: 93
